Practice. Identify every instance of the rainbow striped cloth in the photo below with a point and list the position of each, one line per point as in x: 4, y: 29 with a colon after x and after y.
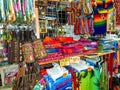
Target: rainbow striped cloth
x: 100, y: 15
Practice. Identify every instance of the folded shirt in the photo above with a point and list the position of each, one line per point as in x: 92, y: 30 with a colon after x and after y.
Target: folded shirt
x: 81, y: 66
x: 56, y: 72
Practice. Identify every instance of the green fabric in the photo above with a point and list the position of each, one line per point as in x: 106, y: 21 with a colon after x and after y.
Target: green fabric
x: 104, y: 77
x: 100, y: 48
x: 90, y: 80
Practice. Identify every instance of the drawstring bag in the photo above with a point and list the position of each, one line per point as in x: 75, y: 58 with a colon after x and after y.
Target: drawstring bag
x: 39, y: 50
x: 28, y: 53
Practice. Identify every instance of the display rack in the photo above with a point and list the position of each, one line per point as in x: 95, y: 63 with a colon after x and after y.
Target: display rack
x: 79, y: 55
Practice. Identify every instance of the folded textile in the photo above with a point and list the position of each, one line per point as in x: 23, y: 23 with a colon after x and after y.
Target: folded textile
x: 81, y: 66
x: 56, y: 72
x: 62, y: 83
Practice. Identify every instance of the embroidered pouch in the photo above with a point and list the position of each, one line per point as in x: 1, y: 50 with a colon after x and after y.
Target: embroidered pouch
x: 28, y: 53
x: 39, y: 50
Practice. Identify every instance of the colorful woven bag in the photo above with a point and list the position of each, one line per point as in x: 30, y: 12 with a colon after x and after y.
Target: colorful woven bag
x: 28, y: 53
x: 39, y: 50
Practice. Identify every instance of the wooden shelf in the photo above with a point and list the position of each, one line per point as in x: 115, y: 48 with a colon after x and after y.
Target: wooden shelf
x: 99, y: 54
x: 80, y: 55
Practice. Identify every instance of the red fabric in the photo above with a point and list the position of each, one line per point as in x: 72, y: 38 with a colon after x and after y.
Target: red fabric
x: 116, y: 88
x: 49, y: 40
x: 66, y: 40
x: 43, y: 72
x: 73, y: 79
x: 77, y: 28
x: 110, y: 60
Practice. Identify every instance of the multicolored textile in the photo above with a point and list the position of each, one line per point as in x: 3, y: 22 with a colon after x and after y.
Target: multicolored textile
x: 28, y: 52
x: 39, y: 50
x: 62, y: 83
x: 16, y: 11
x: 101, y: 9
x: 100, y: 23
x: 86, y: 79
x: 90, y: 80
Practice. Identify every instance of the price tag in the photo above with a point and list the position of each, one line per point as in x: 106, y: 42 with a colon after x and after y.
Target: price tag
x: 62, y: 62
x: 65, y: 62
x: 75, y: 59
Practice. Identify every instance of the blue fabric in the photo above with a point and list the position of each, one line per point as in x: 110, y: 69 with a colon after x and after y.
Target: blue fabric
x: 62, y: 83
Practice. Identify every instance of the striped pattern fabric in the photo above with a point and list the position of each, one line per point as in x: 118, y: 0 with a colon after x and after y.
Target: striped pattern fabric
x: 102, y: 8
x: 100, y: 23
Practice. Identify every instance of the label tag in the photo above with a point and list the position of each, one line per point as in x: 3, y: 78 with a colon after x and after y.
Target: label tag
x: 65, y: 62
x: 75, y: 59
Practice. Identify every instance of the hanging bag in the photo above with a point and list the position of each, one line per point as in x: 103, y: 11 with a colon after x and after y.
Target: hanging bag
x: 39, y: 50
x: 28, y: 53
x: 27, y: 48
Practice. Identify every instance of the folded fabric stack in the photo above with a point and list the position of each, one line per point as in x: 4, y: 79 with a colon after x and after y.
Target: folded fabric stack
x: 61, y: 47
x: 73, y: 48
x: 55, y: 78
x: 94, y: 61
x: 107, y: 45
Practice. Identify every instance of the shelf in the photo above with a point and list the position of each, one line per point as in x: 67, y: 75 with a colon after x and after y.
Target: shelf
x: 99, y: 54
x: 80, y: 55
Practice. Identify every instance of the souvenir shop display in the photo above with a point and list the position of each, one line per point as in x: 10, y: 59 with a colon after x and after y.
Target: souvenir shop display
x: 78, y: 48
